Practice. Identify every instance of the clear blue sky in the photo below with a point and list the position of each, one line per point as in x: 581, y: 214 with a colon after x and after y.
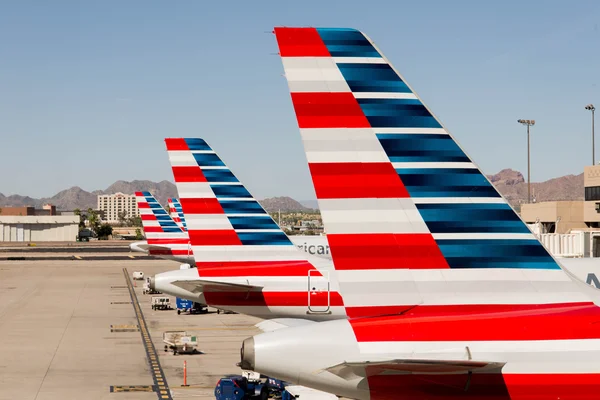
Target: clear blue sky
x: 88, y: 90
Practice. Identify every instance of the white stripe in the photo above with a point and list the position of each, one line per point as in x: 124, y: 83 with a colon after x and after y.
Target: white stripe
x: 383, y: 95
x: 247, y: 253
x: 202, y: 151
x: 357, y: 60
x: 342, y: 145
x: 195, y: 190
x: 199, y: 222
x: 166, y: 235
x: 314, y: 74
x: 182, y: 158
x: 213, y: 167
x: 247, y: 215
x: 416, y: 296
x: 509, y: 236
x: 458, y: 200
x: 451, y: 275
x: 400, y: 165
x: 408, y: 131
x: 344, y: 216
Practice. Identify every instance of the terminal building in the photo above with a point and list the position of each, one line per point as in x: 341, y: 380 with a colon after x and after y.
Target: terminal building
x: 114, y: 204
x: 27, y: 224
x: 580, y: 217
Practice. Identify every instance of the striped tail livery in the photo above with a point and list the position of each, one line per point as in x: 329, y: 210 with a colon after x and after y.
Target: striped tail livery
x: 163, y: 236
x: 245, y: 262
x: 176, y: 213
x: 449, y: 295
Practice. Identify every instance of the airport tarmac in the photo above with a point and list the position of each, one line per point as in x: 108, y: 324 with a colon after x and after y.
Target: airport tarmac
x: 56, y: 340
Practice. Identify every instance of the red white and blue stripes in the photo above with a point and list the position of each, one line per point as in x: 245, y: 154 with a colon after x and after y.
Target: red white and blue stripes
x: 233, y: 237
x: 164, y: 236
x: 176, y: 213
x: 410, y: 218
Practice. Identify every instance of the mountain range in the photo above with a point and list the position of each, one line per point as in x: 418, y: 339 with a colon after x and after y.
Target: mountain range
x: 509, y: 182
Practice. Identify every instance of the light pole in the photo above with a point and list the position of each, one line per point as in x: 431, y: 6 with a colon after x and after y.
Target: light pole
x: 592, y: 109
x: 528, y: 122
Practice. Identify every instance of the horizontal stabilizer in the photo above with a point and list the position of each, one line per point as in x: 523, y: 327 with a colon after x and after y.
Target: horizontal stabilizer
x: 202, y: 285
x: 351, y: 370
x: 274, y: 324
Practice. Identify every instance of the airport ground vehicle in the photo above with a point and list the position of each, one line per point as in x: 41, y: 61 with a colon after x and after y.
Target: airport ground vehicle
x: 138, y: 275
x: 180, y: 342
x: 148, y: 290
x: 250, y: 386
x: 161, y: 303
x: 189, y: 306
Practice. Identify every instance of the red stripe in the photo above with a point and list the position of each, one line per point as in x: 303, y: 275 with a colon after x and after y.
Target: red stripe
x: 256, y: 268
x: 143, y: 204
x: 168, y: 241
x: 153, y: 229
x: 385, y: 251
x: 201, y: 206
x: 328, y: 110
x: 214, y: 238
x: 266, y: 299
x: 139, y: 194
x: 188, y: 174
x: 148, y: 217
x: 490, y: 386
x: 168, y: 252
x: 356, y: 180
x: 176, y: 144
x: 550, y: 322
x: 300, y: 42
x: 454, y: 309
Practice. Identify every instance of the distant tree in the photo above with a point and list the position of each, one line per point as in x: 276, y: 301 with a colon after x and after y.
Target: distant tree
x: 122, y: 216
x: 310, y: 233
x: 104, y: 231
x: 138, y: 234
x: 77, y: 212
x: 94, y: 221
x: 134, y: 221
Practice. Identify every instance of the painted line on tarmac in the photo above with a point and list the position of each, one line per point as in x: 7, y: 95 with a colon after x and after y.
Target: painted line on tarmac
x: 160, y: 381
x: 79, y: 258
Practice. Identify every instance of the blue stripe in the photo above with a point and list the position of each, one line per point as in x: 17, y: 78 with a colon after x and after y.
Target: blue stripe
x: 397, y: 113
x: 264, y: 239
x: 159, y: 211
x: 219, y: 175
x: 346, y: 43
x: 258, y: 222
x: 372, y: 78
x: 471, y: 218
x: 446, y: 182
x: 208, y: 160
x: 241, y: 207
x: 421, y: 148
x: 145, y: 194
x: 172, y: 230
x: 197, y: 144
x: 230, y: 191
x: 496, y: 253
x: 163, y: 218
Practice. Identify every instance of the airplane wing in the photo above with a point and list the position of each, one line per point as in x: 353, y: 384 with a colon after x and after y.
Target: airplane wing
x: 202, y: 285
x: 274, y: 324
x: 351, y: 370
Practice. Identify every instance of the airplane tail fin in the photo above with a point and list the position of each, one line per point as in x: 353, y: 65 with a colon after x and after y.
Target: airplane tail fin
x: 159, y: 228
x: 410, y: 219
x: 176, y: 213
x: 230, y: 232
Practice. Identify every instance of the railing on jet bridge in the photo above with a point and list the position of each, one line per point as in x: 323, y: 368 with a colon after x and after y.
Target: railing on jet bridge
x: 565, y: 244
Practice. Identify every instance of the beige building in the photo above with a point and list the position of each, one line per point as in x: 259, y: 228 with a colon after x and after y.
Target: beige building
x: 39, y: 228
x: 113, y: 204
x: 564, y: 216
